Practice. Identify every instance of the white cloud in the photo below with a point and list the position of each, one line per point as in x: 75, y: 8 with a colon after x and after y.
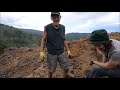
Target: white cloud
x: 87, y: 22
x: 74, y: 21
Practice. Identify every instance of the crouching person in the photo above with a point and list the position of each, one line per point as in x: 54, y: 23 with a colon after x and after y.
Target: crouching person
x: 110, y: 52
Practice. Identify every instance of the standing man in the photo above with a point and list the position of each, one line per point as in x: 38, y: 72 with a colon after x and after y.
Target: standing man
x: 54, y: 38
x: 110, y: 51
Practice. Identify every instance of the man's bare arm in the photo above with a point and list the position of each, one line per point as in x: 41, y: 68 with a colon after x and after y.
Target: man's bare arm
x: 66, y: 44
x: 108, y: 65
x: 104, y: 59
x: 43, y: 40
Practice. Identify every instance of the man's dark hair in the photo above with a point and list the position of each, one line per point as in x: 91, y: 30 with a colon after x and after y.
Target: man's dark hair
x: 107, y: 46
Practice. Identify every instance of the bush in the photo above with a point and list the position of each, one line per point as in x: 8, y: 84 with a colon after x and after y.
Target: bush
x: 2, y: 47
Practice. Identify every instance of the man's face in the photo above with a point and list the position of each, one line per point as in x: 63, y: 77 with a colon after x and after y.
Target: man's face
x: 56, y: 19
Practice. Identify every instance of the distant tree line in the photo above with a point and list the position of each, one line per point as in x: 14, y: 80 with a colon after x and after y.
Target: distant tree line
x: 13, y: 37
x: 76, y: 36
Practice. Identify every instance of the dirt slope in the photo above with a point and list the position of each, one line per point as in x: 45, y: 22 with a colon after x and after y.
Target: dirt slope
x: 25, y: 62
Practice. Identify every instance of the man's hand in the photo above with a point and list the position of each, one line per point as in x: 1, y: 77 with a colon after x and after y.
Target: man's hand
x: 42, y: 55
x: 99, y: 51
x: 69, y: 54
x: 91, y: 63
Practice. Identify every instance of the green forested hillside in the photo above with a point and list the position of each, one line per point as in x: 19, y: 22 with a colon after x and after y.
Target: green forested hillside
x: 13, y: 37
x: 76, y: 36
x: 32, y: 31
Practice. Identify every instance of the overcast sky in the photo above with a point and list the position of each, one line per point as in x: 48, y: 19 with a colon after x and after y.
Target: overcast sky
x: 82, y: 22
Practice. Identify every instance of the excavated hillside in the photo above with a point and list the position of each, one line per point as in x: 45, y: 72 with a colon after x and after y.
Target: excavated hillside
x: 25, y: 62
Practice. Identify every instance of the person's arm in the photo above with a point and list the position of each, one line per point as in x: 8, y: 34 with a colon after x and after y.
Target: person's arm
x: 66, y: 44
x: 104, y: 59
x: 108, y: 65
x: 43, y: 40
x: 112, y: 63
x: 67, y: 48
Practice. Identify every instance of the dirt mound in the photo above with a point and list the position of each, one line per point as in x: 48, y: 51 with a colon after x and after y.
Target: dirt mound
x: 25, y: 62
